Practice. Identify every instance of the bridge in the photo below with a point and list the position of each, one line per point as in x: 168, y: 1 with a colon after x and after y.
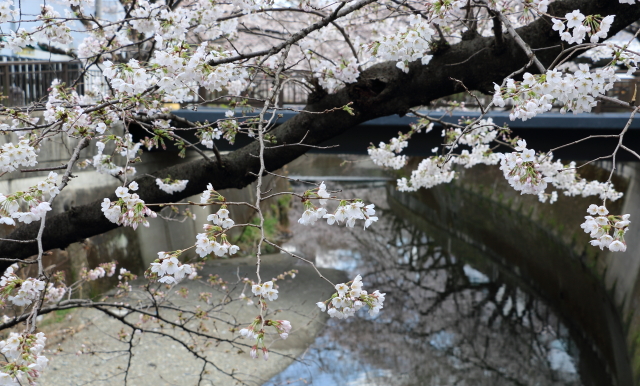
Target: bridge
x: 542, y: 133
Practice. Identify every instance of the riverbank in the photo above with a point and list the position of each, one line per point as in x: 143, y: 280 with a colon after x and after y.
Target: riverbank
x: 86, y: 348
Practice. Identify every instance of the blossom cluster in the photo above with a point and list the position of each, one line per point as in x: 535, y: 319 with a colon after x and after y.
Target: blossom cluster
x: 17, y: 291
x: 210, y: 195
x: 407, y: 45
x: 52, y: 30
x: 283, y: 327
x: 129, y: 209
x: 345, y: 212
x: 331, y: 76
x: 64, y: 106
x: 478, y: 136
x: 530, y: 173
x: 437, y: 169
x: 566, y: 178
x: 209, y: 135
x: 33, y: 197
x: 102, y: 270
x: 522, y: 171
x: 7, y: 12
x: 171, y: 186
x: 537, y: 93
x: 265, y: 290
x: 54, y: 294
x: 607, y: 231
x: 129, y: 78
x: 430, y: 172
x: 25, y: 361
x: 525, y: 170
x: 207, y: 242
x: 349, y: 213
x: 175, y: 74
x: 14, y: 155
x: 169, y: 269
x: 444, y: 12
x: 256, y: 331
x: 105, y: 164
x: 24, y: 292
x: 350, y: 299
x: 593, y: 26
x: 386, y: 153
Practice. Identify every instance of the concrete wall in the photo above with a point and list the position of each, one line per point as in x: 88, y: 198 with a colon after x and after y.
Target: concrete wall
x: 132, y: 249
x: 543, y: 246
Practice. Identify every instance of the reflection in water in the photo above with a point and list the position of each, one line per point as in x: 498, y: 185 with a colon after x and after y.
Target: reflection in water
x: 445, y: 321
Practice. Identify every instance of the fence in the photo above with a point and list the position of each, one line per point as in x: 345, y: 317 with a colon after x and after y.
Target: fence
x: 26, y: 82
x: 294, y: 90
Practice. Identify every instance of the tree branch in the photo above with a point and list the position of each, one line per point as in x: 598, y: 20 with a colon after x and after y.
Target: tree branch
x: 381, y: 90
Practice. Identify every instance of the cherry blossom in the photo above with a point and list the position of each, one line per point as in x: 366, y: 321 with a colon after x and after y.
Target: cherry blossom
x: 607, y: 231
x: 256, y: 331
x: 196, y: 54
x: 33, y: 198
x: 25, y: 359
x: 17, y: 291
x: 171, y: 186
x: 207, y: 242
x: 350, y: 298
x: 168, y: 269
x: 266, y: 290
x: 7, y: 12
x: 129, y: 209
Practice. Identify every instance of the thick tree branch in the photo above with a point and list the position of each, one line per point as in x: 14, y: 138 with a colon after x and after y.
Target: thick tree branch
x: 382, y: 90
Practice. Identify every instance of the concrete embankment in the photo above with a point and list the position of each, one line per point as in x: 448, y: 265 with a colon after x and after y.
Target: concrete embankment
x: 542, y: 247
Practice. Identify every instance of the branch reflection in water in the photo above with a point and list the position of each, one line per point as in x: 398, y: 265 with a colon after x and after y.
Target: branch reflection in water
x: 446, y: 322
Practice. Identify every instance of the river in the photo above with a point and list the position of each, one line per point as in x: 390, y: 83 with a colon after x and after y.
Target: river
x: 458, y: 312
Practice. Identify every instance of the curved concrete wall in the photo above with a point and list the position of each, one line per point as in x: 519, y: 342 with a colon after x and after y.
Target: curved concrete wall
x: 543, y: 246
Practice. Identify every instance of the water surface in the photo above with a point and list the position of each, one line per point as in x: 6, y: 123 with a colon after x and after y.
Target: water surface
x: 447, y: 320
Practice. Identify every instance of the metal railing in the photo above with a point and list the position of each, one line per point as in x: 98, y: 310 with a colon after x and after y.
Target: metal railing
x: 26, y: 82
x: 294, y: 90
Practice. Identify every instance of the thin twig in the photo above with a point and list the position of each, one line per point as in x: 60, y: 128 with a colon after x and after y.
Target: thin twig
x: 44, y: 169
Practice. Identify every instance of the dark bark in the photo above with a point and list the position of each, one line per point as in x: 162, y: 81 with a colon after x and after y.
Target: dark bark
x: 381, y: 91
